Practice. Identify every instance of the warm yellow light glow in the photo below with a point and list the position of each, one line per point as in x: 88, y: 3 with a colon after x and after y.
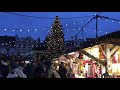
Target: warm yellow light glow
x: 116, y: 68
x: 93, y: 51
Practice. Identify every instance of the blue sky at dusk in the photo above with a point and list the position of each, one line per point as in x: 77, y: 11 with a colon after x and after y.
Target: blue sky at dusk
x: 14, y: 23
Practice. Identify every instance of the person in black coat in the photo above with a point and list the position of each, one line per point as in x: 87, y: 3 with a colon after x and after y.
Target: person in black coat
x: 4, y: 69
x: 62, y: 71
x: 51, y: 71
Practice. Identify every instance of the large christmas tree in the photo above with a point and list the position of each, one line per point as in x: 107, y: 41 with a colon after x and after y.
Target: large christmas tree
x: 55, y: 39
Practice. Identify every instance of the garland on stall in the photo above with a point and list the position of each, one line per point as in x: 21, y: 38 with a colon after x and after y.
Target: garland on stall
x: 94, y: 58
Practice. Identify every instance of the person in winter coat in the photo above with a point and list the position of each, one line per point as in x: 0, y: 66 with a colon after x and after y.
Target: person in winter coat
x: 62, y: 71
x: 17, y: 71
x: 51, y: 71
x: 4, y: 69
x: 106, y: 75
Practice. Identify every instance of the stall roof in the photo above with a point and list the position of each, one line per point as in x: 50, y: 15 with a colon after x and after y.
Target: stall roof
x: 111, y: 38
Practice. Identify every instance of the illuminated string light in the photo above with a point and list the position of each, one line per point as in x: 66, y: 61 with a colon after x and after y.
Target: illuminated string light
x: 119, y: 22
x: 13, y: 30
x: 35, y: 29
x: 99, y: 18
x: 83, y: 28
x: 67, y: 30
x: 66, y: 24
x: 100, y: 31
x: 112, y: 20
x: 106, y: 19
x: 20, y: 30
x: 106, y: 32
x: 74, y: 23
x: 89, y: 19
x: 95, y: 14
x: 81, y: 22
x: 73, y: 29
x: 28, y: 30
x: 79, y: 28
x: 5, y: 29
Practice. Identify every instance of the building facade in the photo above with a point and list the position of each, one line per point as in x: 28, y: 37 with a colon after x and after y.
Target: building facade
x: 7, y: 45
x: 24, y: 45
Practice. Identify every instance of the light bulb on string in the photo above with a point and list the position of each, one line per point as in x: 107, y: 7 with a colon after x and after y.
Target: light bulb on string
x: 119, y: 22
x: 95, y: 14
x: 83, y: 28
x: 67, y: 30
x: 106, y: 32
x: 79, y: 28
x: 73, y: 29
x: 89, y: 19
x: 112, y: 20
x: 74, y: 23
x: 5, y: 29
x: 13, y: 30
x: 106, y: 19
x: 66, y: 24
x: 35, y: 29
x: 28, y: 30
x: 20, y: 30
x: 100, y: 31
x: 81, y: 22
x: 99, y: 18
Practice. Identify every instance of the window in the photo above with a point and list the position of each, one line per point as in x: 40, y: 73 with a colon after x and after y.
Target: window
x: 24, y: 46
x: 29, y: 46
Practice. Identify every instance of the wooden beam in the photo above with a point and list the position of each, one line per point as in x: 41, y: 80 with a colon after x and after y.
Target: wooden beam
x: 107, y: 51
x: 114, y: 50
x: 119, y: 56
x: 102, y: 50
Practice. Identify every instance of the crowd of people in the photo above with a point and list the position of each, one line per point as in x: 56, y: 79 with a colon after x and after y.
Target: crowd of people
x: 17, y: 68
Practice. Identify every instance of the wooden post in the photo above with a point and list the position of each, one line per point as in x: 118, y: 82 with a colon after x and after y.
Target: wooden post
x: 107, y: 51
x: 119, y: 56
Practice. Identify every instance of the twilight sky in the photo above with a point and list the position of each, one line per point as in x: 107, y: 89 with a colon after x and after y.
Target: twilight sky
x: 11, y: 24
